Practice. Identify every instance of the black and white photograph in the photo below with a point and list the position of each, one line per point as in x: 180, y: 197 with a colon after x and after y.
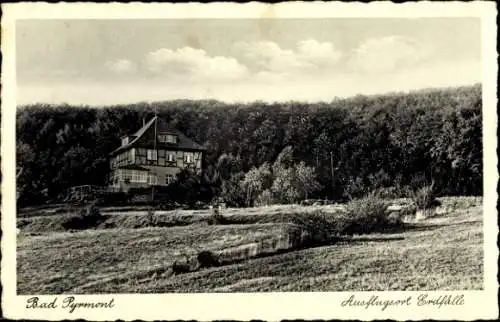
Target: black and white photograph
x: 249, y: 155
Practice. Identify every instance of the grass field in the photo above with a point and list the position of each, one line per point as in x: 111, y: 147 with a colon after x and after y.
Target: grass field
x: 443, y: 252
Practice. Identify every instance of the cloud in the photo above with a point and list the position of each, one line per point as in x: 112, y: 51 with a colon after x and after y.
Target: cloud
x: 261, y: 61
x: 387, y: 54
x: 121, y: 66
x: 309, y: 55
x: 193, y: 63
x: 322, y: 53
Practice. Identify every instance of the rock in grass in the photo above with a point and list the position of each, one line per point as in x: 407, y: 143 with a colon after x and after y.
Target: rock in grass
x: 186, y: 265
x: 238, y: 253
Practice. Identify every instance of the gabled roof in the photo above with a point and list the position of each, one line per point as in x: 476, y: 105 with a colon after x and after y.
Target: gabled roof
x: 143, y: 129
x: 141, y: 139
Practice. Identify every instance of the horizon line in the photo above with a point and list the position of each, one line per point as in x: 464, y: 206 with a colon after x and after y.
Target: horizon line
x: 270, y: 102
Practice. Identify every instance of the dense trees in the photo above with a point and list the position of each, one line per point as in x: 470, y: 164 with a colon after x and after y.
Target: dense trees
x: 341, y: 149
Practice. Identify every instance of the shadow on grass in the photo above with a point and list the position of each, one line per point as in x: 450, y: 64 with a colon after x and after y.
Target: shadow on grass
x: 355, y: 240
x: 408, y: 227
x: 422, y: 227
x: 426, y: 227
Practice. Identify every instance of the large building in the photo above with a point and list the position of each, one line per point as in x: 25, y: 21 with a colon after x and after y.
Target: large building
x: 153, y: 156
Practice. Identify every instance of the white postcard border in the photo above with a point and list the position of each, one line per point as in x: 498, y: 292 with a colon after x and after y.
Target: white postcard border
x: 246, y: 306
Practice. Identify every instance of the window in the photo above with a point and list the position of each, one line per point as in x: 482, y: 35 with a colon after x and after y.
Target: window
x: 152, y: 179
x: 169, y: 178
x: 188, y: 157
x: 125, y: 140
x: 170, y: 156
x: 131, y: 156
x: 126, y: 176
x: 152, y: 155
x: 139, y: 176
x: 167, y: 138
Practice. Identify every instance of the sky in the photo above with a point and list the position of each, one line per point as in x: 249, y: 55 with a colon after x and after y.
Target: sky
x: 103, y: 62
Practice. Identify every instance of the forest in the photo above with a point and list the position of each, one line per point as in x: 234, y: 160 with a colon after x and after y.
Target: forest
x: 261, y: 153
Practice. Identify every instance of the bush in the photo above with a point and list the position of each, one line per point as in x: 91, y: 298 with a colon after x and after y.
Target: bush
x: 88, y: 218
x: 91, y: 211
x: 207, y: 259
x: 367, y: 215
x: 425, y: 198
x: 316, y: 228
x: 408, y: 211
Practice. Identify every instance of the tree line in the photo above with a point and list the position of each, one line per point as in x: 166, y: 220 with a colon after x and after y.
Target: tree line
x: 279, y: 152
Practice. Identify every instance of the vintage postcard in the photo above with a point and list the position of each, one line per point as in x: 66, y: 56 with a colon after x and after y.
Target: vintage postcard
x: 232, y: 161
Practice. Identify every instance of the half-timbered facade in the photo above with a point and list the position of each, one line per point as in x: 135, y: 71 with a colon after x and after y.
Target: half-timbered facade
x: 153, y: 156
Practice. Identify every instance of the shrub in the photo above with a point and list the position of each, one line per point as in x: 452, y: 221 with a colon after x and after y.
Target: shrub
x: 408, y: 211
x: 316, y: 228
x: 425, y: 197
x: 88, y: 217
x: 207, y: 259
x: 91, y: 211
x: 367, y: 215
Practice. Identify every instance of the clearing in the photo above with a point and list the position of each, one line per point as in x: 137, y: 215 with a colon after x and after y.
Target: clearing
x: 444, y: 252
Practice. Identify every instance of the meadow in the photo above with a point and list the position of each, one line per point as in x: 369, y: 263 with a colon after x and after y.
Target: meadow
x: 131, y: 251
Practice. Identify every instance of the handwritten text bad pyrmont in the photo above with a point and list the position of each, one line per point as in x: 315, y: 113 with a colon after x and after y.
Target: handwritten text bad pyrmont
x: 69, y: 303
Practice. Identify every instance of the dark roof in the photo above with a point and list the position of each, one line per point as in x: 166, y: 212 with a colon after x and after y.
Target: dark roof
x: 142, y: 139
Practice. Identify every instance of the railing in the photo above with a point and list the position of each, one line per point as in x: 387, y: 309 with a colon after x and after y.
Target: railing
x: 92, y: 189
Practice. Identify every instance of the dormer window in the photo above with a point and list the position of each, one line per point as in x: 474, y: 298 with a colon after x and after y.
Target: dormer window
x: 125, y: 140
x: 167, y: 138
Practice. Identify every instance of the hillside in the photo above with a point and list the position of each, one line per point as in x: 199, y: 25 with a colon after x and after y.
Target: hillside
x: 443, y: 252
